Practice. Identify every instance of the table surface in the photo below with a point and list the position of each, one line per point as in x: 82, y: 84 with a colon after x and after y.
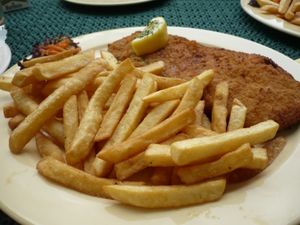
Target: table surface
x: 50, y: 18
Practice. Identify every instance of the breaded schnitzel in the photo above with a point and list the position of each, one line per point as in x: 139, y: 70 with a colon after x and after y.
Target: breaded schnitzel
x: 266, y: 89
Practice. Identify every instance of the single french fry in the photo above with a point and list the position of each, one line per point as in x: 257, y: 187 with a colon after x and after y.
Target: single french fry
x: 90, y: 123
x: 70, y: 121
x: 167, y: 196
x: 73, y: 178
x: 283, y: 6
x: 177, y: 91
x: 155, y: 116
x: 272, y: 9
x: 10, y: 110
x: 82, y: 103
x: 110, y: 59
x: 117, y: 108
x: 199, y: 111
x: 194, y: 92
x: 49, y: 107
x: 219, y: 109
x: 159, y: 133
x: 56, y: 69
x: 260, y: 159
x: 47, y: 148
x: 203, y: 148
x: 161, y: 176
x: 177, y: 137
x: 26, y: 105
x: 134, y: 113
x: 227, y: 163
x: 266, y: 2
x: 15, y: 121
x: 198, y: 131
x: 237, y: 115
x: 5, y: 83
x: 155, y: 68
x: 50, y: 58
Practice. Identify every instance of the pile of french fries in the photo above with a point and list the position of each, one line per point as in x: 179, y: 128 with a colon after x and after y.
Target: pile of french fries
x: 286, y: 9
x: 112, y: 130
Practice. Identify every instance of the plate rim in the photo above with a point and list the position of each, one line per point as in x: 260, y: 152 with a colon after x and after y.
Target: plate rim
x: 247, y: 9
x: 23, y: 220
x: 92, y: 3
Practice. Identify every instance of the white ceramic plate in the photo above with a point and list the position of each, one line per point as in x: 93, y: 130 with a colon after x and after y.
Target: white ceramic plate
x: 5, y: 56
x: 270, y: 198
x: 107, y: 2
x: 270, y: 20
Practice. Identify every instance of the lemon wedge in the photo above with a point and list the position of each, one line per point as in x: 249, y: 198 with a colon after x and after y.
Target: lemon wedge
x: 152, y: 38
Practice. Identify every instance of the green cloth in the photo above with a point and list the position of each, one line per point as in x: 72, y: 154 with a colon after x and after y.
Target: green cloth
x: 50, y: 18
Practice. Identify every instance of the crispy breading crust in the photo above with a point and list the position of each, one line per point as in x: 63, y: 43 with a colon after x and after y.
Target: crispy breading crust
x: 265, y: 88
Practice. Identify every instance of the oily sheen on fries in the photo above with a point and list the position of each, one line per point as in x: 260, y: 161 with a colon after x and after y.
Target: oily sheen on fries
x: 90, y: 123
x: 204, y: 148
x: 167, y: 196
x: 49, y: 107
x: 160, y: 132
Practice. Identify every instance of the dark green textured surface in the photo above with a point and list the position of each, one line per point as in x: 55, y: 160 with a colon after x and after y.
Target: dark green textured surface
x: 48, y: 18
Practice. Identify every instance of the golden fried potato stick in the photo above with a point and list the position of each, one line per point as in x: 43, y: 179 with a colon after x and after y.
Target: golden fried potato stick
x: 110, y: 59
x: 56, y: 69
x: 159, y: 133
x: 155, y: 155
x: 10, y: 110
x: 161, y: 176
x: 49, y: 107
x: 155, y: 116
x: 293, y: 8
x: 73, y: 178
x: 50, y: 58
x: 26, y: 105
x: 5, y: 83
x: 54, y: 84
x: 167, y: 196
x: 193, y: 94
x: 206, y: 122
x: 269, y: 9
x: 155, y: 68
x: 15, y: 121
x: 46, y: 148
x: 134, y: 114
x: 204, y: 148
x: 70, y: 120
x: 283, y: 6
x: 82, y: 103
x: 260, y: 159
x: 219, y: 109
x: 227, y: 163
x: 90, y: 123
x: 199, y: 111
x: 178, y: 91
x: 117, y: 108
x: 24, y: 77
x: 237, y: 115
x: 266, y: 2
